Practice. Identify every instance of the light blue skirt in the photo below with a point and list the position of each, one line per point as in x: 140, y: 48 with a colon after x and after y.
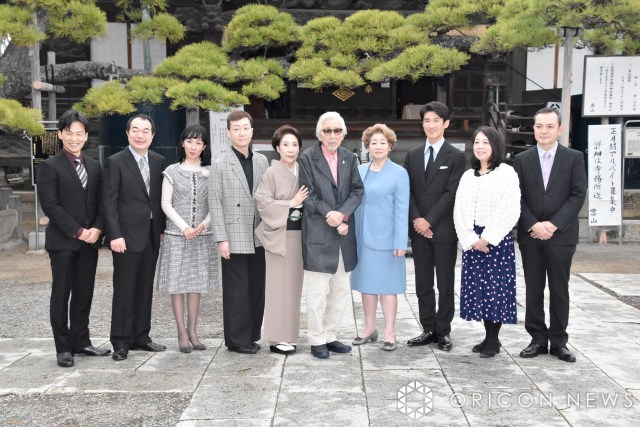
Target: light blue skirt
x: 379, y: 272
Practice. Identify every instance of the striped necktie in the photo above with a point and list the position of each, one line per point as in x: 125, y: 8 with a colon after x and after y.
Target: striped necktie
x: 145, y: 174
x: 82, y: 173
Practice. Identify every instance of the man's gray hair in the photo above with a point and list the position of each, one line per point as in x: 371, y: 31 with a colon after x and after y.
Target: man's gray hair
x: 326, y: 116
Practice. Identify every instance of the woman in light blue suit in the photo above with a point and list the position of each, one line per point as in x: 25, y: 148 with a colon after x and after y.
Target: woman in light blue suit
x: 381, y: 234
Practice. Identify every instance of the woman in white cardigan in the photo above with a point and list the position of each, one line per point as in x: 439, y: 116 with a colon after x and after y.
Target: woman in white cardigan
x: 487, y: 208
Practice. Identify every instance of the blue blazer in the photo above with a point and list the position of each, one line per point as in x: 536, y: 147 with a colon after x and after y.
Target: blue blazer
x: 384, y: 211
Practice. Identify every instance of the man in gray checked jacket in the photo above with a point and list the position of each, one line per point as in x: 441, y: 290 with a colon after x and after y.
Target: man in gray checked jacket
x: 232, y: 184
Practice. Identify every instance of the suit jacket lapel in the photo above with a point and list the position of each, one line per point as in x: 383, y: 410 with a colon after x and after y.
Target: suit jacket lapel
x: 131, y: 163
x: 236, y: 167
x: 323, y: 165
x: 343, y: 166
x: 442, y: 156
x: 154, y: 172
x: 534, y: 160
x: 66, y: 165
x: 254, y: 166
x: 557, y: 164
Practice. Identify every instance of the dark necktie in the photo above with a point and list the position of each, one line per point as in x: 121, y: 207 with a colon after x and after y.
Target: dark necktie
x: 429, y: 162
x: 82, y: 173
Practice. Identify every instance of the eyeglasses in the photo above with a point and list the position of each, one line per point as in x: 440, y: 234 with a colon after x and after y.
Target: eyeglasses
x: 332, y: 131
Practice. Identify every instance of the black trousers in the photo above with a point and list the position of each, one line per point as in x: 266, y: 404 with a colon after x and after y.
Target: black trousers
x: 133, y: 274
x: 430, y: 257
x: 541, y: 260
x: 243, y: 297
x: 74, y: 274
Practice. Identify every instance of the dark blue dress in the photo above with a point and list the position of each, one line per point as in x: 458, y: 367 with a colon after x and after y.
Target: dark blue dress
x: 488, y: 288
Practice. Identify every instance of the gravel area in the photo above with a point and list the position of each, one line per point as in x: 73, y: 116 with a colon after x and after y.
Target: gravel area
x: 25, y: 281
x: 25, y: 286
x: 99, y: 409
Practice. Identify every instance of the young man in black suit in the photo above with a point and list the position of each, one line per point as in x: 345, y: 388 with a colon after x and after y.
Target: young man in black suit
x: 553, y: 185
x: 434, y: 173
x: 69, y: 186
x: 135, y: 221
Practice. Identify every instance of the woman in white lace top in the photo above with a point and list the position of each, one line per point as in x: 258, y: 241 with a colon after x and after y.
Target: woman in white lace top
x: 487, y: 208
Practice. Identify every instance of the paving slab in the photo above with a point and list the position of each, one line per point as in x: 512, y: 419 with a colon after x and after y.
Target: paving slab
x: 368, y: 387
x: 620, y: 284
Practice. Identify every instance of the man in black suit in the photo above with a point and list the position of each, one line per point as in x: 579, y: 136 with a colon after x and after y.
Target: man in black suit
x: 434, y: 173
x: 135, y: 221
x: 553, y: 185
x: 69, y: 186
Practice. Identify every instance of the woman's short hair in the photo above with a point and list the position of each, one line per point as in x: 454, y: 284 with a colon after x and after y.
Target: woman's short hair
x: 281, y: 132
x: 379, y: 128
x: 497, y: 147
x: 326, y: 116
x: 195, y: 132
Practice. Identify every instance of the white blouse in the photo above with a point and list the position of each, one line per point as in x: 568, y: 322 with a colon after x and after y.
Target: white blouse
x: 491, y: 200
x: 167, y: 197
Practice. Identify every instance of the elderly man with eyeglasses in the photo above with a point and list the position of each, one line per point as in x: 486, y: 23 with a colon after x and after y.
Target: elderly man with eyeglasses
x: 330, y: 172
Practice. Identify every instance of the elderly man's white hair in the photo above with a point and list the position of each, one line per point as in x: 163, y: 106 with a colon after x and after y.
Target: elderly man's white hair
x: 326, y: 116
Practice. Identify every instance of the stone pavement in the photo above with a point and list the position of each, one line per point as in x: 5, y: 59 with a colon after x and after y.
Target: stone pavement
x: 367, y: 387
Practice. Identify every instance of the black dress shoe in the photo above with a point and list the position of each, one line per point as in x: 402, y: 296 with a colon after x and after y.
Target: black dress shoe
x: 444, y: 342
x: 320, y: 351
x: 150, y: 346
x: 533, y: 350
x: 65, y: 359
x: 120, y: 354
x: 491, y: 348
x: 479, y: 347
x: 423, y: 339
x: 245, y: 349
x: 338, y: 347
x: 93, y: 351
x: 563, y: 353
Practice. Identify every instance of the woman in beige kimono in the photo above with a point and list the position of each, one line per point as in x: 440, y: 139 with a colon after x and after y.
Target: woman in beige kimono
x: 279, y: 200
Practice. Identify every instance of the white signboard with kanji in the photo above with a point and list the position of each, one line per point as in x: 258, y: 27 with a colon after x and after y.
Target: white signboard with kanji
x: 218, y: 132
x: 605, y: 182
x: 611, y: 86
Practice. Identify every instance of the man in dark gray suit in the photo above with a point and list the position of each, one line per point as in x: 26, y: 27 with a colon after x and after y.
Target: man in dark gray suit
x: 330, y: 172
x: 434, y: 171
x: 553, y: 185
